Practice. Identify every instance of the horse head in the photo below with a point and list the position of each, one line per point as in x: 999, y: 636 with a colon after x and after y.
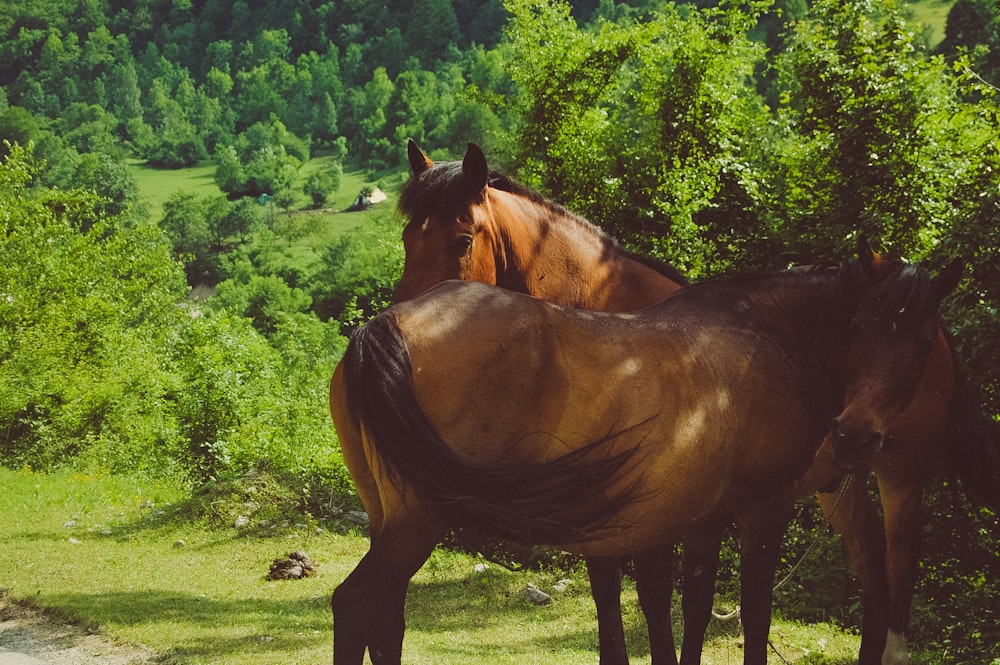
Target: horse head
x: 449, y: 234
x: 892, y: 333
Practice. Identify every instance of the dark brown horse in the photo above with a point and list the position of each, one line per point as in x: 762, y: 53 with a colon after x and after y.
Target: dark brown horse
x: 608, y: 434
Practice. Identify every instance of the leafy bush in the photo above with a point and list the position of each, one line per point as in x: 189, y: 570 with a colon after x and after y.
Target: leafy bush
x: 359, y: 271
x: 87, y: 305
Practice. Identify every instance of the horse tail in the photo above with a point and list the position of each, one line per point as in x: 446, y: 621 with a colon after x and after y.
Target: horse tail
x: 566, y: 500
x: 976, y: 459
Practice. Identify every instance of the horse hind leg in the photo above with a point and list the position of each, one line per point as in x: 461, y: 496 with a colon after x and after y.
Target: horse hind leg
x: 701, y: 566
x: 655, y: 585
x: 368, y: 606
x: 761, y: 533
x: 606, y: 588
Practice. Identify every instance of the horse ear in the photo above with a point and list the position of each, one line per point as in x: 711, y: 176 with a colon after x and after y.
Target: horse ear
x: 868, y: 258
x: 419, y: 162
x: 474, y: 168
x: 945, y: 281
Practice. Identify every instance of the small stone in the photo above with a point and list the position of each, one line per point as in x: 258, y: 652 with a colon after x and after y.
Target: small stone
x: 179, y: 543
x: 562, y: 585
x: 74, y: 541
x: 69, y: 524
x: 357, y: 517
x: 481, y: 568
x: 536, y: 595
x: 241, y: 521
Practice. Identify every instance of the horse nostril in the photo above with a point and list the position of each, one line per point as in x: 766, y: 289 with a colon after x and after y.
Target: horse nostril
x: 872, y: 442
x: 854, y: 448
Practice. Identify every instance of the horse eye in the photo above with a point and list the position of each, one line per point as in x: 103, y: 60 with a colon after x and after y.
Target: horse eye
x: 462, y: 244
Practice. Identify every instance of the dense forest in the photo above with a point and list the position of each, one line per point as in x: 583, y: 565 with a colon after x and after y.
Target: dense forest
x: 717, y: 137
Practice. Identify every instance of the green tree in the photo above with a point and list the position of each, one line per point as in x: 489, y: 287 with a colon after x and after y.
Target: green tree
x: 89, y: 128
x: 872, y: 147
x: 88, y: 303
x: 432, y: 27
x: 321, y: 184
x: 17, y: 125
x: 359, y: 271
x: 185, y: 221
x: 111, y: 180
x: 229, y: 173
x: 650, y: 128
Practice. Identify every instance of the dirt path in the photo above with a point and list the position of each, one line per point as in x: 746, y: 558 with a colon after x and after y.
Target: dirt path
x: 26, y: 630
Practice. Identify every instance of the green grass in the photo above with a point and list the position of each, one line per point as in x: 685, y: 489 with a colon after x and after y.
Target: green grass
x: 156, y: 185
x: 933, y: 14
x: 100, y: 551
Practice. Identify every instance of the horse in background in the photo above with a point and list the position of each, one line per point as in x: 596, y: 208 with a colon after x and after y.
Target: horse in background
x: 607, y: 434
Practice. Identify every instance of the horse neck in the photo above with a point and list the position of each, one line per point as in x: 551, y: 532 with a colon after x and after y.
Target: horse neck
x: 554, y: 255
x: 809, y: 317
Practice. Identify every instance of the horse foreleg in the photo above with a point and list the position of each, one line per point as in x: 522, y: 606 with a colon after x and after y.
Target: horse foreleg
x: 701, y: 565
x: 368, y: 605
x: 902, y: 500
x: 654, y: 582
x: 606, y: 588
x: 761, y: 534
x: 851, y: 513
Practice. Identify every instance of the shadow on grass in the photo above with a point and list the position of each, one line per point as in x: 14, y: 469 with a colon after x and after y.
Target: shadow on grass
x: 505, y: 623
x: 204, y: 626
x: 463, y: 619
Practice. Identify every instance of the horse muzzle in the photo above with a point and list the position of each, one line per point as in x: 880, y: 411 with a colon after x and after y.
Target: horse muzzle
x: 854, y: 448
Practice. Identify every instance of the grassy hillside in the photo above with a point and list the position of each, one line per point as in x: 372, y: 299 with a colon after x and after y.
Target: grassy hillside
x: 156, y: 185
x: 932, y: 13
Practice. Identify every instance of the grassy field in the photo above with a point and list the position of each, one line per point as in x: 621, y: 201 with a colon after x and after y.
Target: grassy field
x: 126, y: 558
x: 156, y: 185
x: 932, y: 13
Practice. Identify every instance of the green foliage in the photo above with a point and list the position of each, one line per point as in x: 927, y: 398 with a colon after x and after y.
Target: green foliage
x: 652, y: 128
x: 959, y: 573
x: 320, y: 185
x: 359, y: 272
x: 88, y: 301
x: 245, y: 401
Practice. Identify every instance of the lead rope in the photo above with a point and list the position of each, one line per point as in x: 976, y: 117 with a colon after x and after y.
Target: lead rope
x: 845, y: 484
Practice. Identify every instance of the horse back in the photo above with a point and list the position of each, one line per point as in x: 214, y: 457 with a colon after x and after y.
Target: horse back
x: 534, y: 379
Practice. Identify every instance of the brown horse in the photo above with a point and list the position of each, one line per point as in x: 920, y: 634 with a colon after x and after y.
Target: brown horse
x: 506, y: 236
x: 607, y: 434
x: 469, y: 223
